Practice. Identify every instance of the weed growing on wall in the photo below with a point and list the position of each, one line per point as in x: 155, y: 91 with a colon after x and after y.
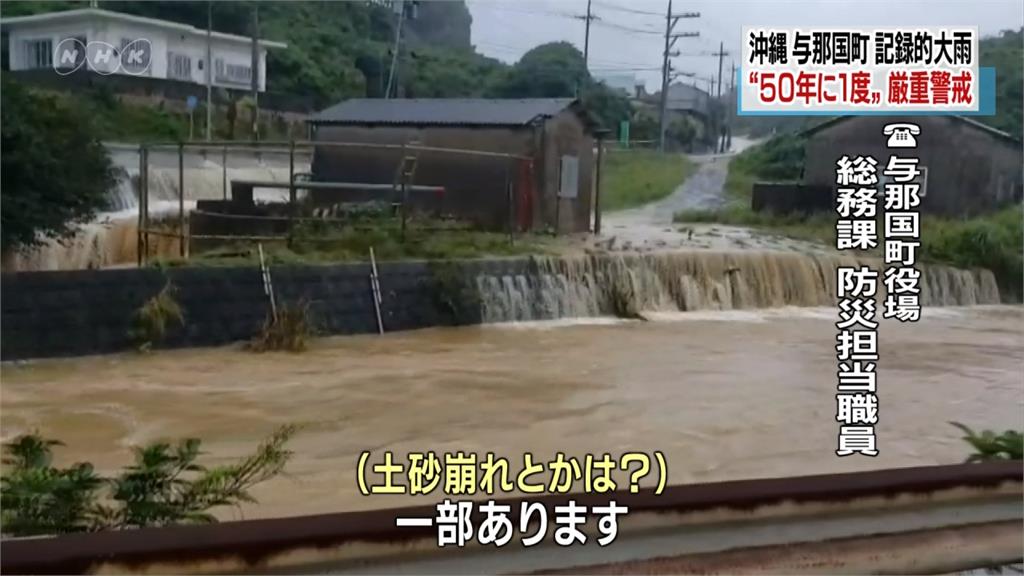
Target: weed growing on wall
x: 290, y: 331
x: 454, y: 294
x: 154, y: 318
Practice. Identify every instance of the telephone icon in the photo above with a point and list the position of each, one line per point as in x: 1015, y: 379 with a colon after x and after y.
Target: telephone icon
x: 902, y: 135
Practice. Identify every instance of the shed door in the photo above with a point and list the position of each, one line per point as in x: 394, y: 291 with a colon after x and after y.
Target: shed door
x: 569, y: 178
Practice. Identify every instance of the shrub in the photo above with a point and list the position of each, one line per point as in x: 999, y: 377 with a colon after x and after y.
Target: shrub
x: 991, y: 446
x: 290, y: 331
x: 165, y: 485
x: 992, y: 241
x: 151, y: 320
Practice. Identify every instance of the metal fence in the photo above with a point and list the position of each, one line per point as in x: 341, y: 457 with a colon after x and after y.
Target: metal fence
x: 278, y: 221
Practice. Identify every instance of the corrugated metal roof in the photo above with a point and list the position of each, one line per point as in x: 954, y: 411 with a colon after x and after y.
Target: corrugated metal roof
x: 969, y: 121
x: 442, y: 111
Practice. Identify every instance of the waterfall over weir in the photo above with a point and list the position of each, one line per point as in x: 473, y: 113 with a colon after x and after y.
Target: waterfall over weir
x: 111, y: 239
x: 589, y: 286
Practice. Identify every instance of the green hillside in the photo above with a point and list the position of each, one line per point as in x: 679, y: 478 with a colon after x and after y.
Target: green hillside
x: 339, y: 50
x: 1006, y: 54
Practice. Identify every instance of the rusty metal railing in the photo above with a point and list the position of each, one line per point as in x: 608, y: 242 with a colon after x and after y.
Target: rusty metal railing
x: 290, y: 148
x: 684, y: 524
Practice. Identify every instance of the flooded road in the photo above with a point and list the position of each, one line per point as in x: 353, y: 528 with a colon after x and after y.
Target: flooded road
x: 724, y: 394
x: 650, y: 228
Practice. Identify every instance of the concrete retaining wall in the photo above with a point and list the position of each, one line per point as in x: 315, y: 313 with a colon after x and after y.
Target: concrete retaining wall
x: 788, y: 198
x: 47, y: 314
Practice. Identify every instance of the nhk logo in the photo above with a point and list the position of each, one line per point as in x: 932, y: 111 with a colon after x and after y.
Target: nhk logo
x: 72, y: 54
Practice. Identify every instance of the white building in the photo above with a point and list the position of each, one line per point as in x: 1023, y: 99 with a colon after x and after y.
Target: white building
x: 109, y: 42
x: 625, y: 83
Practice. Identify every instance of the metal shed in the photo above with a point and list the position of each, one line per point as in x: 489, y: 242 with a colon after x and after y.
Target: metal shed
x: 552, y: 141
x: 970, y: 168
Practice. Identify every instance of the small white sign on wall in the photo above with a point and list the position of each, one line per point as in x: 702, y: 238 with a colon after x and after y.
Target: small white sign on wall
x: 569, y: 182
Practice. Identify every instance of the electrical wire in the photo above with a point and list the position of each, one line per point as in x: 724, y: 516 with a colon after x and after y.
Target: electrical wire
x: 609, y: 6
x: 628, y: 29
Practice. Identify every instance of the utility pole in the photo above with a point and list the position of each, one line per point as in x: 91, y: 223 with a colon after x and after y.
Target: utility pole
x: 670, y: 40
x: 400, y: 9
x: 209, y: 69
x: 731, y: 104
x: 255, y: 71
x: 720, y: 54
x: 586, y: 47
x: 720, y: 136
x: 586, y: 38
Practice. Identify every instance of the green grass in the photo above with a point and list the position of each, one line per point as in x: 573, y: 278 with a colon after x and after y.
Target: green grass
x: 637, y: 177
x: 993, y: 241
x: 426, y: 240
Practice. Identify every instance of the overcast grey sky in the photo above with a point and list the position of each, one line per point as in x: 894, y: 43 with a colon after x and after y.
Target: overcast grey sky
x: 628, y: 38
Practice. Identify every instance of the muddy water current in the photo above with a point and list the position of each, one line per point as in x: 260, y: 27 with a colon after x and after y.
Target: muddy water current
x: 725, y: 394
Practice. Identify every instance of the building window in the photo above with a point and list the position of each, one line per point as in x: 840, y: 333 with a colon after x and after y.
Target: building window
x: 39, y: 53
x: 232, y: 73
x: 179, y: 66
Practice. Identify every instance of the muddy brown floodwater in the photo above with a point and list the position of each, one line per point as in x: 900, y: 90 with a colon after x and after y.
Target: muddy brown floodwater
x: 725, y: 395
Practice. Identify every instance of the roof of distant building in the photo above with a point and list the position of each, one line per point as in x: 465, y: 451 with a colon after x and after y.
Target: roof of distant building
x: 445, y: 111
x: 969, y: 121
x: 81, y: 13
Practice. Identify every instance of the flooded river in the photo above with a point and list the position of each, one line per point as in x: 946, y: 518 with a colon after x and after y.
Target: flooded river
x: 725, y: 395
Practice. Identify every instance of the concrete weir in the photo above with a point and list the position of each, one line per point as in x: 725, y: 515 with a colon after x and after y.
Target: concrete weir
x: 48, y: 314
x: 934, y: 519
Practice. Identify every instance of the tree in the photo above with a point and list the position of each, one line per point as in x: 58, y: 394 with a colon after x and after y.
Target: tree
x: 551, y: 70
x: 681, y: 132
x: 164, y: 486
x: 1006, y: 55
x: 556, y: 70
x: 606, y: 105
x: 56, y: 174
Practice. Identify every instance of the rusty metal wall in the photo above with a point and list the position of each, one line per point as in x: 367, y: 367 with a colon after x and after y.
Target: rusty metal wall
x: 791, y: 198
x: 565, y: 135
x: 923, y: 498
x: 475, y: 186
x: 970, y: 171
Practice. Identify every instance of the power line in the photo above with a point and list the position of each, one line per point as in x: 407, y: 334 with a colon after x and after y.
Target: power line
x: 624, y: 9
x: 622, y: 64
x: 516, y: 10
x: 637, y: 69
x: 627, y: 28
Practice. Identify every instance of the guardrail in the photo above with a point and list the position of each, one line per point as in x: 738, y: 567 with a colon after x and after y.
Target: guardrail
x: 934, y: 519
